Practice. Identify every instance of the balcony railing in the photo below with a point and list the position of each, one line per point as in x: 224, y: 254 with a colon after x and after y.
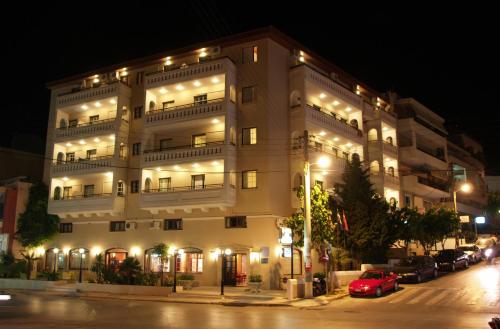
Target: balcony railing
x: 440, y: 185
x: 184, y: 152
x: 333, y: 120
x: 83, y: 196
x: 96, y: 127
x: 428, y: 151
x: 82, y: 164
x: 78, y: 95
x: 185, y: 188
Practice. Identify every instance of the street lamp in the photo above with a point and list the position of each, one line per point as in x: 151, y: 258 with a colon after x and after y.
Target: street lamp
x: 82, y: 254
x: 177, y: 252
x: 322, y: 162
x: 466, y: 188
x: 56, y: 252
x: 227, y: 252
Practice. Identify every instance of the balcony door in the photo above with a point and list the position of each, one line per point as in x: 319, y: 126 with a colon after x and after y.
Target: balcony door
x: 92, y: 154
x: 197, y: 182
x: 230, y: 269
x: 165, y: 184
x: 88, y: 191
x: 66, y: 192
x: 199, y: 140
x: 165, y: 143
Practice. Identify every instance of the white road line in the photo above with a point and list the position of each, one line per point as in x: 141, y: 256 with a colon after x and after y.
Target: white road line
x: 436, y: 299
x: 476, y: 298
x: 403, y: 295
x: 421, y: 296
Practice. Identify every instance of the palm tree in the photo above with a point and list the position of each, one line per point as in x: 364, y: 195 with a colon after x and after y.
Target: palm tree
x: 30, y: 258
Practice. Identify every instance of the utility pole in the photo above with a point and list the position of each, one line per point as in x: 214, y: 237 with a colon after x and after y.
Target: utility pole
x: 307, y: 220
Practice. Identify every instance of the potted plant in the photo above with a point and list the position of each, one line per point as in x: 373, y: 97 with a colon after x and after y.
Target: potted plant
x: 186, y: 281
x: 255, y: 282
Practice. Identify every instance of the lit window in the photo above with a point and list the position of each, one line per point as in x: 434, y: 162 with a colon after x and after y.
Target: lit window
x: 249, y: 179
x: 189, y: 263
x: 250, y: 54
x: 249, y: 136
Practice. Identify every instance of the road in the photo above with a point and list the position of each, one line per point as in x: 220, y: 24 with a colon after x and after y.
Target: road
x: 466, y: 299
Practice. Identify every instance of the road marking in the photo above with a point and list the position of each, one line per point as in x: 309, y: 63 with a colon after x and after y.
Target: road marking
x: 421, y: 296
x: 404, y: 294
x: 476, y: 298
x: 436, y: 299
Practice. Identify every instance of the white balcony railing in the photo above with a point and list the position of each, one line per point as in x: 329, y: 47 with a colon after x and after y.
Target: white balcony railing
x: 76, y: 205
x: 89, y: 94
x: 332, y: 122
x: 185, y: 112
x: 213, y: 149
x: 84, y: 165
x: 94, y: 128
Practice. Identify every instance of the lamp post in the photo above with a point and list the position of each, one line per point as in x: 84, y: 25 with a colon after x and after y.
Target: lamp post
x: 323, y: 162
x: 81, y: 251
x: 226, y: 252
x: 56, y: 252
x: 466, y: 188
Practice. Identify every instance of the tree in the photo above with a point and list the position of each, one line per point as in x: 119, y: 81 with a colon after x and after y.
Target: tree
x: 129, y: 270
x: 372, y: 229
x: 98, y: 268
x: 161, y: 250
x: 322, y: 226
x: 35, y: 226
x: 434, y: 226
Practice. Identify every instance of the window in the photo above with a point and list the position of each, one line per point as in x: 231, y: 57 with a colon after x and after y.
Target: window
x: 93, y: 118
x: 91, y: 154
x: 59, y: 158
x: 57, y: 193
x: 164, y: 143
x: 236, y: 222
x: 70, y: 157
x: 172, y: 224
x: 136, y: 148
x: 66, y: 192
x: 319, y: 183
x: 249, y: 179
x: 318, y: 146
x: 250, y: 54
x: 139, y: 77
x: 76, y: 259
x: 88, y: 191
x: 165, y: 184
x: 247, y: 94
x: 189, y: 263
x: 147, y: 185
x: 73, y: 123
x: 120, y: 189
x: 137, y: 112
x: 199, y: 140
x: 200, y: 99
x: 197, y: 182
x: 249, y: 136
x: 167, y: 104
x: 134, y: 186
x: 154, y: 262
x: 66, y: 228
x: 117, y: 226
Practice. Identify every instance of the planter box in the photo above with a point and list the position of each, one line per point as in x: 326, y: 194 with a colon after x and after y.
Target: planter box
x: 255, y: 286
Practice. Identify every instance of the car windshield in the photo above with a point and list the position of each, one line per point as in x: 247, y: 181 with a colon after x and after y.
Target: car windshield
x: 411, y: 261
x: 371, y: 275
x: 446, y: 253
x: 466, y: 248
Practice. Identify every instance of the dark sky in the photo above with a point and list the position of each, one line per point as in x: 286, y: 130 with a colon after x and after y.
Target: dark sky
x: 446, y: 58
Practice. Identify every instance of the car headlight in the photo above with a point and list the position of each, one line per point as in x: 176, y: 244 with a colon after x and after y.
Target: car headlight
x: 488, y: 252
x: 5, y: 297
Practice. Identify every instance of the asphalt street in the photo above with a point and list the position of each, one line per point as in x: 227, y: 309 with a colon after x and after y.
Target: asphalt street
x: 465, y: 299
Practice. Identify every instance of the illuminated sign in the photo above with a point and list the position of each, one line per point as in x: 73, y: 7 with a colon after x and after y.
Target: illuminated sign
x: 286, y: 235
x: 480, y: 220
x: 464, y: 219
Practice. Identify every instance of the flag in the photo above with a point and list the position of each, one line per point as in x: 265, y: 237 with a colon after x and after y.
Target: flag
x: 341, y: 226
x: 346, y: 227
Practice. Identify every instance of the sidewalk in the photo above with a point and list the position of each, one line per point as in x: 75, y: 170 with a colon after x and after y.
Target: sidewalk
x: 233, y: 296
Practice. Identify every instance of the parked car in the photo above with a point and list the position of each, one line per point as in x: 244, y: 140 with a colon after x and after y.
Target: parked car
x: 451, y: 259
x: 374, y: 283
x: 472, y: 251
x: 416, y: 269
x: 485, y: 242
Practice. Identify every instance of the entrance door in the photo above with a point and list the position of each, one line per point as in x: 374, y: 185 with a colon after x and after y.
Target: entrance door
x: 230, y: 270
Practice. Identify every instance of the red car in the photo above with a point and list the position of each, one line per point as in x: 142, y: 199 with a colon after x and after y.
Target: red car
x: 374, y: 282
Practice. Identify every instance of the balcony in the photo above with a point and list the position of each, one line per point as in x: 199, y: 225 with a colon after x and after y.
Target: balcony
x: 385, y: 147
x: 207, y: 151
x: 189, y: 71
x: 422, y: 186
x: 101, y: 127
x: 185, y: 112
x: 188, y: 198
x: 83, y: 166
x: 94, y: 93
x: 87, y: 205
x: 332, y: 122
x: 416, y: 156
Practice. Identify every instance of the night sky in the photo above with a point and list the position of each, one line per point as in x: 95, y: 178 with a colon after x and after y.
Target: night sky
x: 445, y: 58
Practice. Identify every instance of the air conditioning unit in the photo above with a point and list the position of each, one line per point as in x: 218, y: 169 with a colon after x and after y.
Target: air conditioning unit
x: 155, y: 225
x: 129, y: 226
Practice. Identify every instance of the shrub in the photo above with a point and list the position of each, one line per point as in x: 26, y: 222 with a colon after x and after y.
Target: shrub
x: 150, y: 279
x: 255, y: 278
x: 13, y: 270
x: 49, y: 275
x: 319, y: 275
x: 186, y: 277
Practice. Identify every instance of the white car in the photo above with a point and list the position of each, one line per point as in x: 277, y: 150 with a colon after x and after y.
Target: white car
x: 472, y: 251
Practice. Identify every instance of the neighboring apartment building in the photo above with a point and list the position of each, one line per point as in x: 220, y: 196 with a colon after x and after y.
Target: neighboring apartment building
x: 423, y: 155
x: 202, y: 149
x: 14, y: 194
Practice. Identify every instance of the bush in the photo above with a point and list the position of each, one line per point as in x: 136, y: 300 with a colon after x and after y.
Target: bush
x: 13, y: 270
x: 319, y: 275
x: 255, y: 278
x: 150, y: 279
x: 186, y: 277
x: 49, y: 275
